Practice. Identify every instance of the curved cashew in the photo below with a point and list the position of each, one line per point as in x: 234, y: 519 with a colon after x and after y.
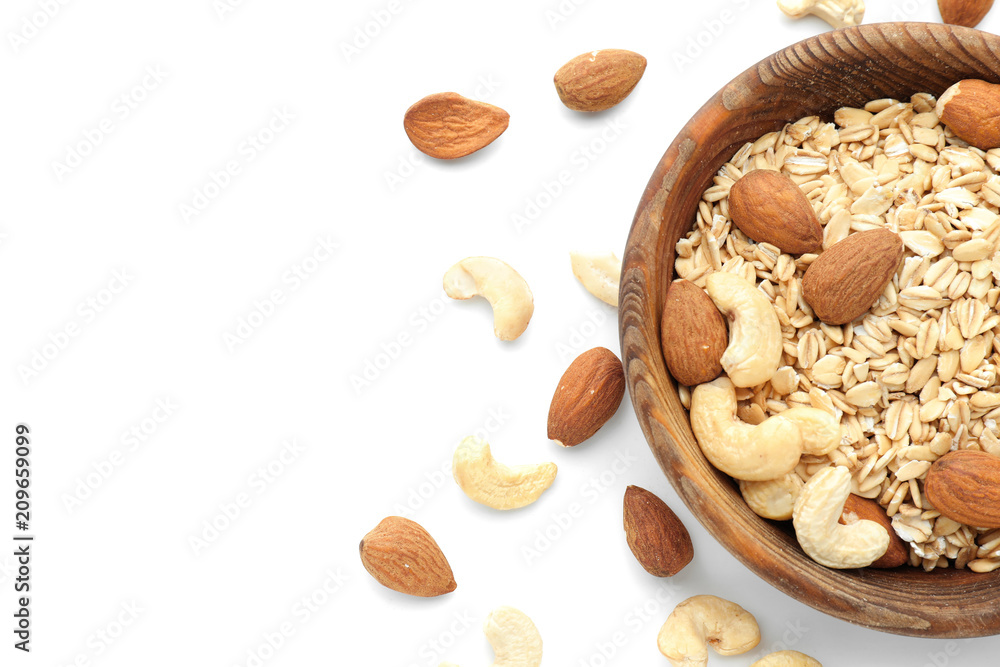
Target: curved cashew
x: 514, y: 638
x: 838, y: 13
x: 755, y: 348
x: 787, y: 659
x: 820, y: 430
x: 773, y: 498
x: 755, y: 453
x: 599, y: 273
x: 499, y: 284
x: 703, y: 620
x: 491, y: 483
x: 816, y: 519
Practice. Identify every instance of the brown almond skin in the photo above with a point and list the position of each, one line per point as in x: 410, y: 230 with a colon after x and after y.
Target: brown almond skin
x: 448, y: 126
x: 965, y: 486
x: 769, y: 207
x: 401, y: 555
x: 598, y: 80
x: 969, y: 108
x: 656, y: 536
x: 966, y: 13
x: 588, y: 395
x: 843, y: 282
x: 693, y: 334
x: 898, y: 553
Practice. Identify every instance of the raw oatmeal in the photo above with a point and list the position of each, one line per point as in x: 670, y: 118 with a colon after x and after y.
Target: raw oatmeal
x: 916, y: 377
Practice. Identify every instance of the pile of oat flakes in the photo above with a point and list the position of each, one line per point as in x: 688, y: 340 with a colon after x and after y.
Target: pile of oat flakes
x: 917, y: 376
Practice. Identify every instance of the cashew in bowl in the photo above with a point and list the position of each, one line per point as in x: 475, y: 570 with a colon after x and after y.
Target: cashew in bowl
x: 787, y: 659
x: 491, y: 483
x: 755, y: 342
x: 599, y: 273
x: 514, y: 638
x: 703, y: 620
x: 754, y: 453
x: 816, y: 519
x: 499, y: 284
x: 820, y: 430
x: 773, y: 498
x: 838, y: 13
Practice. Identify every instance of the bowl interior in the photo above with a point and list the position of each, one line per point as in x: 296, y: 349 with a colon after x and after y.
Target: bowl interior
x: 813, y: 77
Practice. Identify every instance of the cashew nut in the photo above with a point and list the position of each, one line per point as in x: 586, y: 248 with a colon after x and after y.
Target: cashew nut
x: 491, y: 483
x: 838, y: 13
x: 820, y: 430
x: 787, y: 659
x: 816, y: 519
x: 773, y: 498
x: 755, y: 342
x: 599, y: 273
x: 514, y: 638
x: 703, y: 620
x: 755, y: 453
x: 499, y: 284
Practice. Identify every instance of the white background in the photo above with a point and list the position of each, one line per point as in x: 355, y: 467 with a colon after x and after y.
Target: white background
x: 115, y: 517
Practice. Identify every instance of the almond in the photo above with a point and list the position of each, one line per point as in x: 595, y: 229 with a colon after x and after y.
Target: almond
x: 770, y: 208
x: 657, y: 538
x: 599, y: 80
x: 967, y: 13
x: 969, y: 108
x: 857, y: 508
x: 693, y: 334
x: 449, y: 126
x: 844, y: 282
x: 965, y: 486
x: 588, y: 395
x: 401, y: 555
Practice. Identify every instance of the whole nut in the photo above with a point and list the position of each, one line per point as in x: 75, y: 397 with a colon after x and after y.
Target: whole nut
x: 966, y: 13
x: 857, y: 508
x: 969, y: 109
x: 693, y: 334
x: 401, y: 555
x: 965, y: 486
x: 769, y: 207
x: 843, y: 283
x: 657, y: 538
x: 449, y: 126
x: 588, y: 395
x: 599, y: 80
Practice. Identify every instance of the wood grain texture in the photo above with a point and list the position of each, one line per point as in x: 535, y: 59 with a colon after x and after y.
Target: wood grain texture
x: 817, y: 76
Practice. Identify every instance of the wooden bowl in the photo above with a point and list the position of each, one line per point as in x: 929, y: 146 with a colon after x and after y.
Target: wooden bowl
x: 814, y: 77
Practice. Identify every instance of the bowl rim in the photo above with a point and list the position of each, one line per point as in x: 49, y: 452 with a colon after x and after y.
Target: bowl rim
x: 971, y: 605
